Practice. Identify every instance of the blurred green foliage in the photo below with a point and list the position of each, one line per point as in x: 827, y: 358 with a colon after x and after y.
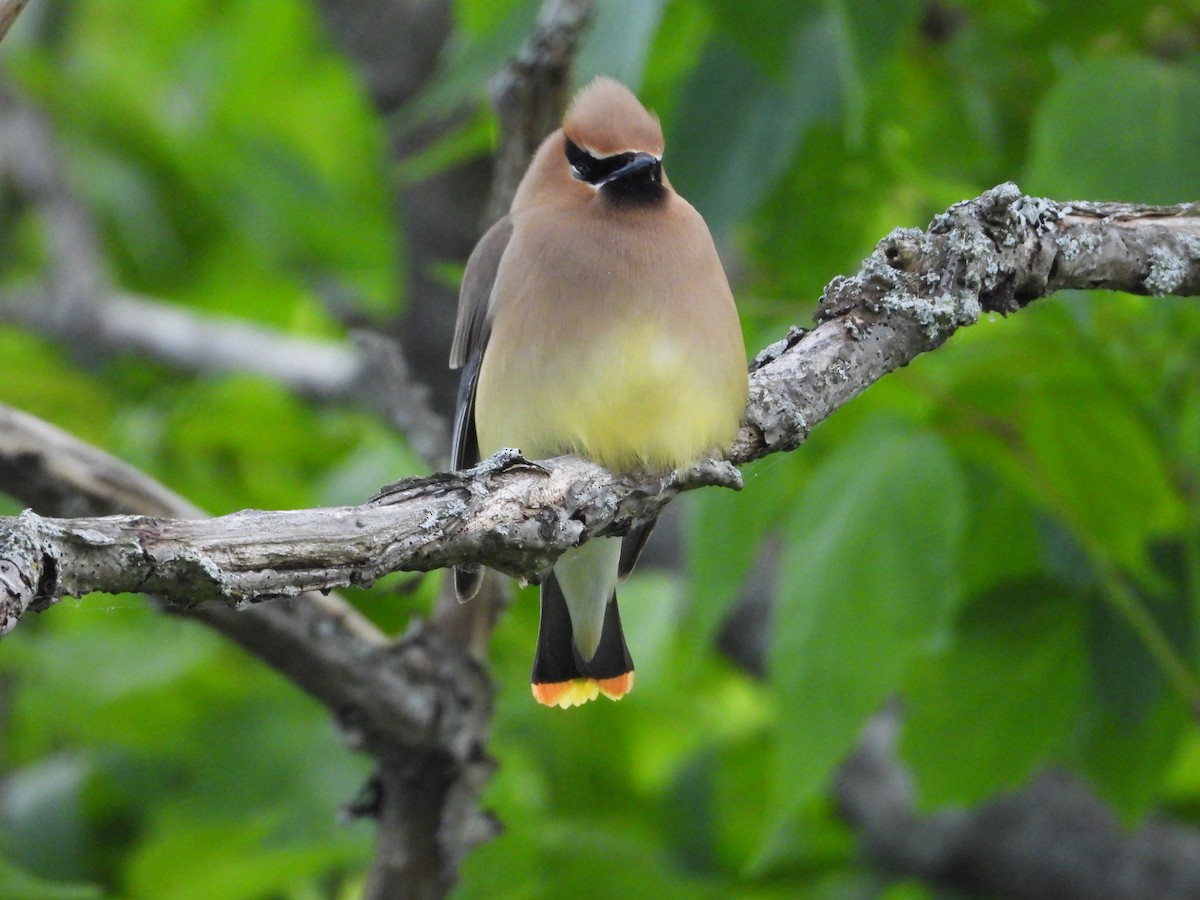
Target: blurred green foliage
x: 1007, y: 533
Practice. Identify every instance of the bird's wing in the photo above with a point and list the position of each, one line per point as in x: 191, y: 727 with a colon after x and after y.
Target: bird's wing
x: 471, y: 333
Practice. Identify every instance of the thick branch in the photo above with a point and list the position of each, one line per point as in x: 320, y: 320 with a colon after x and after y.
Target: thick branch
x: 418, y: 702
x: 516, y: 517
x: 996, y: 252
x: 49, y: 469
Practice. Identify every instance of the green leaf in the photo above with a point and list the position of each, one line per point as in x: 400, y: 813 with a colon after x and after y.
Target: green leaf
x: 764, y: 31
x: 1002, y: 539
x: 16, y: 884
x: 736, y: 129
x: 1132, y: 727
x: 865, y: 32
x: 1127, y: 760
x: 1002, y: 698
x: 1099, y: 467
x: 876, y: 29
x: 725, y: 535
x: 1119, y: 129
x: 619, y: 40
x: 236, y: 863
x: 50, y: 388
x: 867, y: 582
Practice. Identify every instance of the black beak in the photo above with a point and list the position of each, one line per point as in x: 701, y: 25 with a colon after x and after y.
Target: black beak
x: 641, y: 162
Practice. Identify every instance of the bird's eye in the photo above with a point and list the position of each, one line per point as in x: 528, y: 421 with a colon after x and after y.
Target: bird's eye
x: 592, y: 169
x: 583, y: 164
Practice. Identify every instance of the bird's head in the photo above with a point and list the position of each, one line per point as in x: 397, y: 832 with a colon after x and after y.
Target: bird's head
x: 609, y: 146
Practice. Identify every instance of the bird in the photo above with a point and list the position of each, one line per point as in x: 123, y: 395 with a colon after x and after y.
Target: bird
x: 595, y: 319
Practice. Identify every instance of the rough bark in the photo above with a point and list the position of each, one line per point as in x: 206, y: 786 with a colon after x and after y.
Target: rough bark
x: 421, y: 705
x: 995, y: 253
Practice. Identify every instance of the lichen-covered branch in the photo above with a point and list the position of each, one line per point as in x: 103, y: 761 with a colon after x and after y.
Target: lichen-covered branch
x: 390, y: 698
x: 517, y: 517
x: 997, y: 252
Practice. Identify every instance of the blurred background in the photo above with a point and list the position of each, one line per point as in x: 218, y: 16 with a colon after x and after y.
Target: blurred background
x: 995, y: 552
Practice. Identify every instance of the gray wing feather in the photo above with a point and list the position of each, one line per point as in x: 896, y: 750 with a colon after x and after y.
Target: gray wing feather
x: 471, y: 333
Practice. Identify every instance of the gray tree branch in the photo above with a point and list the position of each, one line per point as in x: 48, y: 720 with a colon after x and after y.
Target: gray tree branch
x: 78, y: 306
x: 432, y: 761
x: 420, y: 705
x: 994, y: 253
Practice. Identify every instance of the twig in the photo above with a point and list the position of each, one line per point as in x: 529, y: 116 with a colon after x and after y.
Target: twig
x: 192, y: 341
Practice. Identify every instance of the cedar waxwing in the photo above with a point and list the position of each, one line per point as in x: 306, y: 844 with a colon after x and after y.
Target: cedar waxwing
x: 595, y: 319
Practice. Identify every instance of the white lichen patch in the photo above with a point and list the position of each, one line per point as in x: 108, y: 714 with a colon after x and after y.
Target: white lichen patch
x: 946, y: 310
x: 1167, y: 271
x: 1073, y: 246
x: 838, y: 372
x: 205, y: 563
x: 94, y: 537
x: 770, y: 353
x: 969, y: 309
x: 972, y: 247
x: 1038, y: 212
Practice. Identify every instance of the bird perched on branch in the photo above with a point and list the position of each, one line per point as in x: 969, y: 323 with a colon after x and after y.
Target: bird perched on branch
x: 595, y: 319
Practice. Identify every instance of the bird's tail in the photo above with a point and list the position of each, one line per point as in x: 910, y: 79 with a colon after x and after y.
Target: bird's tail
x: 561, y: 677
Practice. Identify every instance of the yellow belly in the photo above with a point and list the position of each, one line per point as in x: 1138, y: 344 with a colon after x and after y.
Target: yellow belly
x: 638, y: 396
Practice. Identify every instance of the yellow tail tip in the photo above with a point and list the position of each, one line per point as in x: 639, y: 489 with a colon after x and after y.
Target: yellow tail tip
x: 579, y: 691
